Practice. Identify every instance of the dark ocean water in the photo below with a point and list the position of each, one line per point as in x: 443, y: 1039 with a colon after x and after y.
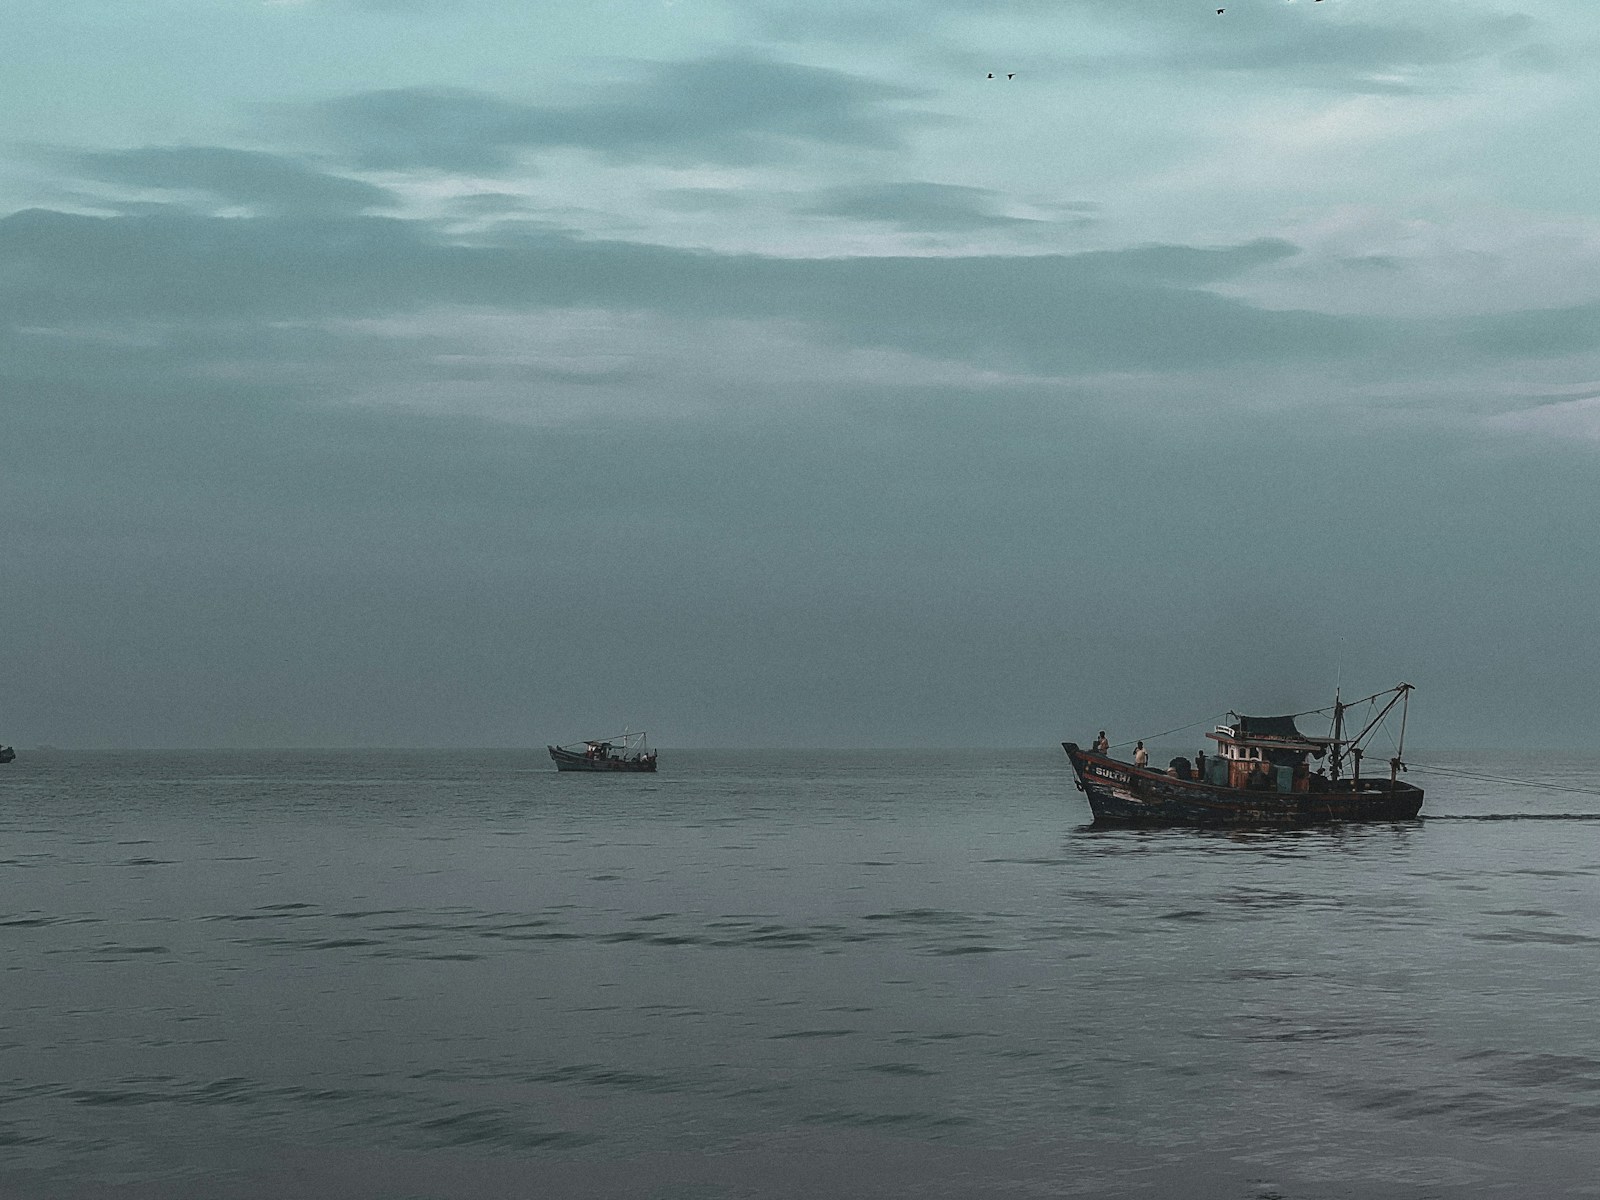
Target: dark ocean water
x: 781, y: 974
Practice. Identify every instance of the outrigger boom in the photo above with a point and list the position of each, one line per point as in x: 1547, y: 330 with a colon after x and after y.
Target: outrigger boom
x: 1402, y: 696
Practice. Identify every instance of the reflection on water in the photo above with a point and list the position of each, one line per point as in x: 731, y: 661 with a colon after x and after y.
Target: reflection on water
x: 864, y: 974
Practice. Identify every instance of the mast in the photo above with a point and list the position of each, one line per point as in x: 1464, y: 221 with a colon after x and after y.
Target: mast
x: 1397, y: 763
x: 1338, y: 735
x: 1401, y: 694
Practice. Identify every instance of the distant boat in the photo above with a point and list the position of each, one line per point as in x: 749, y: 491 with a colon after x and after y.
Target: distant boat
x: 7, y: 754
x: 623, y: 752
x: 1261, y: 775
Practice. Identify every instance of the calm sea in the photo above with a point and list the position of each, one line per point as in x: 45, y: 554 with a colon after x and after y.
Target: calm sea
x: 448, y: 974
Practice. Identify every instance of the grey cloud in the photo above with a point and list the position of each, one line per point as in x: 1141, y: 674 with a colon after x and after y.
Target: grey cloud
x: 270, y: 182
x: 406, y: 8
x: 701, y: 199
x: 1360, y: 50
x: 1362, y: 57
x: 401, y: 6
x: 1309, y: 43
x: 1537, y: 57
x: 1142, y: 309
x: 735, y: 110
x: 1537, y: 333
x: 934, y: 207
x: 873, y: 20
x: 1187, y: 265
x: 452, y: 129
x: 492, y: 204
x: 1374, y: 262
x: 1136, y: 309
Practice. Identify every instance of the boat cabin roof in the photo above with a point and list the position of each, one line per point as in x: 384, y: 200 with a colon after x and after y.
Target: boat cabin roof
x: 1277, y: 733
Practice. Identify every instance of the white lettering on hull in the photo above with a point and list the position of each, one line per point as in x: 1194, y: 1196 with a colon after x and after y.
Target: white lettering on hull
x: 1107, y: 773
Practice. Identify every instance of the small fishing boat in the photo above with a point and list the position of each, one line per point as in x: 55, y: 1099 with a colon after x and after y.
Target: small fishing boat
x: 623, y: 752
x: 1261, y: 774
x: 7, y: 754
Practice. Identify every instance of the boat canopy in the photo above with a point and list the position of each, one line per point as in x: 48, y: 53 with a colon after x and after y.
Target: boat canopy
x: 618, y: 743
x: 1271, y: 732
x: 1270, y: 727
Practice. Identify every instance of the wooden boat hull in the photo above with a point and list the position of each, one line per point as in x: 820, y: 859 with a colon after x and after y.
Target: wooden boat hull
x: 1120, y: 794
x: 567, y: 760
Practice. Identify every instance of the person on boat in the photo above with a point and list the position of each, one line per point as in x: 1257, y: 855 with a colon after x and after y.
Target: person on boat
x: 1141, y: 756
x: 1101, y: 744
x: 1200, y: 765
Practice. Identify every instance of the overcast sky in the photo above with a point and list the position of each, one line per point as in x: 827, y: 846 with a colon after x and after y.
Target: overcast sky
x: 496, y: 372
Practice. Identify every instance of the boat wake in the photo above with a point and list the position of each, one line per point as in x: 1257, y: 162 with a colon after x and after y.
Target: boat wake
x: 1512, y: 817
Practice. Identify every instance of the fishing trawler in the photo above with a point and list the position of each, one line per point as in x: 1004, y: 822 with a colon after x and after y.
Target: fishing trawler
x: 1261, y: 774
x: 623, y: 752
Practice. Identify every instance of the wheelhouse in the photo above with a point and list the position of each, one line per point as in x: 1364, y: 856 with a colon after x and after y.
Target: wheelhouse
x: 1266, y: 754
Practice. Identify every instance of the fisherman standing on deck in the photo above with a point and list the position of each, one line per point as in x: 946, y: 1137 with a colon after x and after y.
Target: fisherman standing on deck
x: 1200, y: 765
x: 1102, y: 744
x: 1141, y: 756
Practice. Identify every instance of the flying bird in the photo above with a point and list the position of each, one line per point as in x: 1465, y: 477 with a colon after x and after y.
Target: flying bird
x: 1013, y: 75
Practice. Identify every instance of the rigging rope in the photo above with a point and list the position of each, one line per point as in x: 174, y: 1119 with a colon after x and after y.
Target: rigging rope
x: 1549, y: 787
x: 1326, y: 711
x: 1150, y: 737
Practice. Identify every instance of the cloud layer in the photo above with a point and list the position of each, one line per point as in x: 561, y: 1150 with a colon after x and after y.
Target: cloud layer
x: 266, y: 182
x: 737, y: 110
x: 363, y: 397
